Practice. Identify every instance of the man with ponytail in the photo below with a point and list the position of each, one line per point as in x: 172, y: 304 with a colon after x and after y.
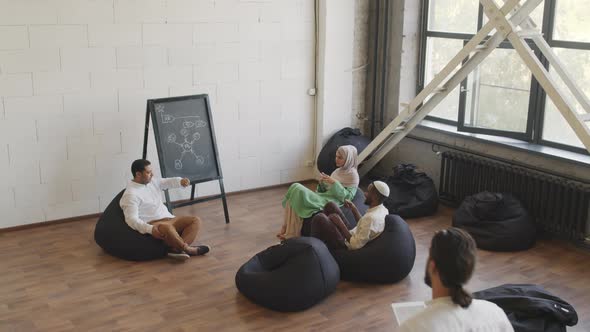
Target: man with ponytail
x: 449, y: 267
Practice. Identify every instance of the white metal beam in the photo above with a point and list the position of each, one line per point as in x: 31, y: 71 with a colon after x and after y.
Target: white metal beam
x: 557, y: 65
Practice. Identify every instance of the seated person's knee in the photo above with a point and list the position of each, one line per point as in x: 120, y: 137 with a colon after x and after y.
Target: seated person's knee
x: 165, y: 228
x: 334, y: 218
x: 330, y: 206
x: 297, y: 185
x: 196, y: 221
x: 320, y: 217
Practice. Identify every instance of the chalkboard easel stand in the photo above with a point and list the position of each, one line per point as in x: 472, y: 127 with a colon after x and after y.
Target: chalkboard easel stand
x: 192, y: 200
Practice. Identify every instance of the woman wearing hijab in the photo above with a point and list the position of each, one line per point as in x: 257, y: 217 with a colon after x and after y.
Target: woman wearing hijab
x: 301, y: 202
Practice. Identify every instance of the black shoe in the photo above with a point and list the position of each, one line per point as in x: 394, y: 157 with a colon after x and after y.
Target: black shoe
x: 201, y: 250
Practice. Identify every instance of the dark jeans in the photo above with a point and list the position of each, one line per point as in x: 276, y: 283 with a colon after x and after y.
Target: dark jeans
x: 323, y: 226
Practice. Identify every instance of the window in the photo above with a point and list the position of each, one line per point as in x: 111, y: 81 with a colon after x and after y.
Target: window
x: 497, y: 95
x: 439, y: 51
x: 501, y: 97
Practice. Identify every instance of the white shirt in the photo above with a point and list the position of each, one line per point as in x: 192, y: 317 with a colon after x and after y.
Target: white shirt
x: 443, y: 315
x: 142, y: 203
x: 368, y: 227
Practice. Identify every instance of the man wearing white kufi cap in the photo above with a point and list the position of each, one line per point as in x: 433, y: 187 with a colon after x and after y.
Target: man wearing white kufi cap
x: 333, y: 231
x: 382, y: 188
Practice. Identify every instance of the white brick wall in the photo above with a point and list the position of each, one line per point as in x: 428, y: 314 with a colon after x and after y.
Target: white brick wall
x: 20, y: 174
x: 140, y: 11
x: 14, y: 37
x: 74, y: 208
x: 216, y: 32
x: 158, y: 77
x: 84, y: 11
x: 192, y: 55
x: 134, y: 100
x: 48, y: 36
x: 170, y: 35
x: 236, y: 11
x: 17, y: 130
x: 141, y: 57
x: 75, y: 76
x: 260, y: 31
x: 215, y: 73
x: 87, y: 59
x: 28, y: 60
x: 32, y: 107
x: 121, y: 78
x: 6, y: 198
x: 68, y: 170
x: 27, y: 12
x: 16, y: 85
x: 35, y: 195
x: 189, y: 11
x: 93, y: 101
x: 103, y: 35
x: 51, y: 83
x: 69, y: 124
x: 54, y: 150
x: 4, y: 156
x: 18, y: 216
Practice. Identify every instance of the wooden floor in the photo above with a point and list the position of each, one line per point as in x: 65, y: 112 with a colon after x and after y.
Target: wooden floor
x: 55, y: 278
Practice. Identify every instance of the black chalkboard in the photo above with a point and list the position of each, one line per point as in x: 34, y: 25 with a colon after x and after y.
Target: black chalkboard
x: 185, y: 138
x: 185, y: 141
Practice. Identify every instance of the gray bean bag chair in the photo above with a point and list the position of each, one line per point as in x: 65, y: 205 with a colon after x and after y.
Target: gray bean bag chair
x: 388, y: 258
x: 291, y: 276
x: 115, y: 237
x: 497, y: 222
x: 358, y: 200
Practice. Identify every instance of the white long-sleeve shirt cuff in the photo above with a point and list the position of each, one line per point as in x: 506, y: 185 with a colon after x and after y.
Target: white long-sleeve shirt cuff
x: 146, y: 228
x: 139, y: 225
x: 170, y: 183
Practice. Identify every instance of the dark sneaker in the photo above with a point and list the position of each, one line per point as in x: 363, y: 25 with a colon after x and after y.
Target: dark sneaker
x: 181, y: 256
x: 201, y: 250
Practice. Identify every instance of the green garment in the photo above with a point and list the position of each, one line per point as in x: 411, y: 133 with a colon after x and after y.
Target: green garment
x: 306, y: 202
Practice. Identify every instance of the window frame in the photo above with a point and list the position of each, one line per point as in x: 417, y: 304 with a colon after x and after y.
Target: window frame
x: 524, y: 136
x: 537, y: 97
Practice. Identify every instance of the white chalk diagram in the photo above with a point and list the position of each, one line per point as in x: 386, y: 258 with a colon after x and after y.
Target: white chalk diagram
x: 189, y: 133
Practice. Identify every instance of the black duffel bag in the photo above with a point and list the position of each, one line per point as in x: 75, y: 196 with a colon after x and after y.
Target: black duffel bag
x: 412, y: 192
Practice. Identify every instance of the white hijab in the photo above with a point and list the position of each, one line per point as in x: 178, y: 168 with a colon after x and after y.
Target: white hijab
x: 347, y: 175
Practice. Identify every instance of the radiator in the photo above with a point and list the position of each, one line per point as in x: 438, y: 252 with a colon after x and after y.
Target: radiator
x: 557, y: 205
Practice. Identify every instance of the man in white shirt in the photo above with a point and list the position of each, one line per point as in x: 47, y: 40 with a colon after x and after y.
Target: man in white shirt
x: 145, y: 212
x: 329, y: 225
x: 449, y: 266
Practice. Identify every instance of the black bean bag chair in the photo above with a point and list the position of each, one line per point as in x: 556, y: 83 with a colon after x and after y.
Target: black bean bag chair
x: 388, y: 258
x: 291, y: 276
x: 530, y: 308
x: 345, y: 136
x: 115, y: 237
x: 358, y: 200
x: 412, y: 193
x: 497, y: 222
